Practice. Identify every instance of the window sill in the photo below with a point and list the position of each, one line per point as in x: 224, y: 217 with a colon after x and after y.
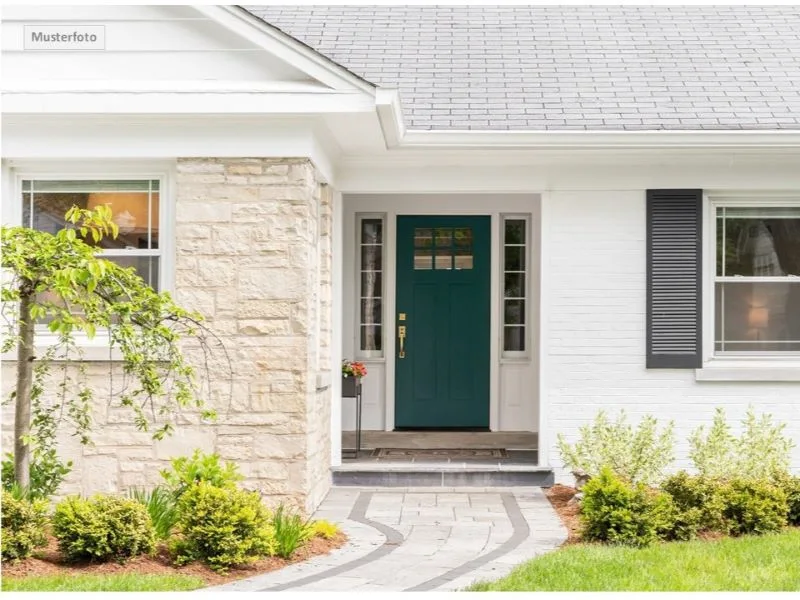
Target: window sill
x: 93, y: 350
x: 751, y: 369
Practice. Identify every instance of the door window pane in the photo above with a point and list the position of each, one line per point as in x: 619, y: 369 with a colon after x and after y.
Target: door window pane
x: 444, y: 258
x: 423, y: 259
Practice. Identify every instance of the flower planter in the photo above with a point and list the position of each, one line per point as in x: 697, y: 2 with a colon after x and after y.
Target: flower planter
x: 350, y: 387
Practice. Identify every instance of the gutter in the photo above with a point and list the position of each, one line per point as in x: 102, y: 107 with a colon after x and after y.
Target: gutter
x: 396, y: 136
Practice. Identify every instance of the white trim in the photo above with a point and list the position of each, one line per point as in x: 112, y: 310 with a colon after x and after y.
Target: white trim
x: 495, y: 322
x: 542, y: 368
x: 390, y: 116
x: 337, y: 314
x: 285, y: 47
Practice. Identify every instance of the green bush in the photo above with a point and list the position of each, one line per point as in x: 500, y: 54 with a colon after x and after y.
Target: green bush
x: 103, y: 528
x: 698, y: 499
x: 209, y: 468
x: 638, y: 455
x: 761, y: 451
x: 161, y: 505
x: 618, y: 512
x: 47, y: 473
x: 791, y: 486
x: 223, y: 526
x: 754, y: 506
x: 291, y: 531
x: 23, y: 527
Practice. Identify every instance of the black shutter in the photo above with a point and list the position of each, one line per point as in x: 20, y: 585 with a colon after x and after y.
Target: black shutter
x: 674, y: 279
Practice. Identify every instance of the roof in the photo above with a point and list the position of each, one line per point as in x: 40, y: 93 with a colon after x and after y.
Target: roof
x: 567, y: 67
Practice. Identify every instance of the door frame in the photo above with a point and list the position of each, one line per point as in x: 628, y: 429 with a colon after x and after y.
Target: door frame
x: 496, y: 206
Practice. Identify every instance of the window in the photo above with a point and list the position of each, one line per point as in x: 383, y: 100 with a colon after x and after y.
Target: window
x: 757, y: 279
x: 443, y: 248
x: 371, y: 286
x: 135, y: 205
x: 515, y: 285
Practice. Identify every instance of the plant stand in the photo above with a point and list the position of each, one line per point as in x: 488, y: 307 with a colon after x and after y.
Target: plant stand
x: 351, y: 388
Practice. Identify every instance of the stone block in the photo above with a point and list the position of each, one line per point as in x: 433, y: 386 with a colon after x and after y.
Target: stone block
x: 202, y: 212
x: 280, y: 447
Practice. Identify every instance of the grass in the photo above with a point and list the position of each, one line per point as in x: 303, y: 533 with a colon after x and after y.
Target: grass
x: 128, y: 582
x: 746, y: 564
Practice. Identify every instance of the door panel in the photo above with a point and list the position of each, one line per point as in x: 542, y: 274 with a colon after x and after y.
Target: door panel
x: 443, y: 288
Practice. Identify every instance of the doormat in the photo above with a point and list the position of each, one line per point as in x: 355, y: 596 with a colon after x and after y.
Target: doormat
x: 438, y: 453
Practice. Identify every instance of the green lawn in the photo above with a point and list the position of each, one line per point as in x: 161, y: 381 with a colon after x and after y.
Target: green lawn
x: 129, y: 582
x: 747, y: 564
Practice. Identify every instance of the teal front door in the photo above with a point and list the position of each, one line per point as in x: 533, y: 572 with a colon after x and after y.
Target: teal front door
x: 442, y: 328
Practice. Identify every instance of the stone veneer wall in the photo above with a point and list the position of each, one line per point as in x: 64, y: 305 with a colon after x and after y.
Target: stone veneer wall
x: 253, y: 254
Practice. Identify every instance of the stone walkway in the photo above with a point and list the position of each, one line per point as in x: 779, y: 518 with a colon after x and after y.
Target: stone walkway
x: 420, y: 539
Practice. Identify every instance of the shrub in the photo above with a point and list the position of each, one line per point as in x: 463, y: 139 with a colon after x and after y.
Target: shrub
x: 760, y: 452
x: 754, y: 506
x: 698, y: 499
x: 791, y: 486
x: 23, y: 527
x: 291, y: 531
x: 103, y: 528
x: 161, y: 506
x: 324, y: 529
x: 618, y: 512
x: 223, y: 526
x: 208, y: 468
x: 639, y: 455
x: 47, y: 473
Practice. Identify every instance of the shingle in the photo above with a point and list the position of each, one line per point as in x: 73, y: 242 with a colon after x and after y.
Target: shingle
x: 581, y: 67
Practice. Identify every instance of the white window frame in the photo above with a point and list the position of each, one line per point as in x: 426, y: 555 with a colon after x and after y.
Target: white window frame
x: 738, y: 365
x: 370, y: 354
x: 97, y: 348
x: 515, y: 354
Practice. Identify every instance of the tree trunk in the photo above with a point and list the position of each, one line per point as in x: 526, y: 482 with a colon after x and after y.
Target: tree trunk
x: 22, y: 415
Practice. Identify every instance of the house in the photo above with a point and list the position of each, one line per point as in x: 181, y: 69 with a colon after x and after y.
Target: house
x: 515, y: 216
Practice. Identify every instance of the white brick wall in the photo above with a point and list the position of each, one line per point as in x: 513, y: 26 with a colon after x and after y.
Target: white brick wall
x: 594, y: 345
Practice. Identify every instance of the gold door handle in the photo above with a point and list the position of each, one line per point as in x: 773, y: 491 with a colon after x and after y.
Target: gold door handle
x: 401, y: 334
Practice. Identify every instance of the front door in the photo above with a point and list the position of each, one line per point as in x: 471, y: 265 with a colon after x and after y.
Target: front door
x: 443, y: 292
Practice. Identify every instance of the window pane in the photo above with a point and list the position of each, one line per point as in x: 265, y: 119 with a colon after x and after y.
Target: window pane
x: 371, y: 338
x: 515, y: 312
x: 423, y: 238
x: 515, y: 258
x: 752, y: 316
x: 371, y: 311
x: 371, y: 258
x: 372, y: 231
x: 514, y: 339
x: 423, y: 259
x: 371, y: 284
x: 444, y: 237
x: 758, y: 242
x: 444, y: 259
x: 515, y: 231
x: 515, y: 285
x: 136, y: 213
x: 463, y: 236
x: 146, y: 266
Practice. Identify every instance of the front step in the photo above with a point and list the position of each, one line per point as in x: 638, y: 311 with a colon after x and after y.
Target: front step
x: 440, y: 475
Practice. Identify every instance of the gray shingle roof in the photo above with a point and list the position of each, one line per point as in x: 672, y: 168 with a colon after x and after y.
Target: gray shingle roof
x: 567, y: 67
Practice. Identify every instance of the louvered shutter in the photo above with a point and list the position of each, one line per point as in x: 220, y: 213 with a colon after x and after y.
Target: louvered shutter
x: 674, y: 279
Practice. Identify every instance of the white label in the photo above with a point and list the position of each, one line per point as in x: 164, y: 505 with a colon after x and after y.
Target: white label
x: 65, y: 37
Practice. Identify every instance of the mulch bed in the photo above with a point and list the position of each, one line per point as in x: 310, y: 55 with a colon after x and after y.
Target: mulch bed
x: 48, y: 561
x: 560, y: 496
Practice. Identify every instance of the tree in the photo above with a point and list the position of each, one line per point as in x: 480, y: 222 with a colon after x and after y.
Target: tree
x: 60, y: 280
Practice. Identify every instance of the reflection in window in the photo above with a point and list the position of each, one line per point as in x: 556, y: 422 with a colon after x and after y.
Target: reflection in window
x: 371, y: 304
x: 443, y: 248
x: 514, y: 279
x: 757, y: 293
x: 134, y: 206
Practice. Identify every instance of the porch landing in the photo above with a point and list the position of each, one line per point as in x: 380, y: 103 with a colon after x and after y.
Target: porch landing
x: 517, y: 464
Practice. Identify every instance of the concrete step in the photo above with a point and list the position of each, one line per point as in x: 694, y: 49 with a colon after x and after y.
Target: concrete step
x: 440, y: 475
